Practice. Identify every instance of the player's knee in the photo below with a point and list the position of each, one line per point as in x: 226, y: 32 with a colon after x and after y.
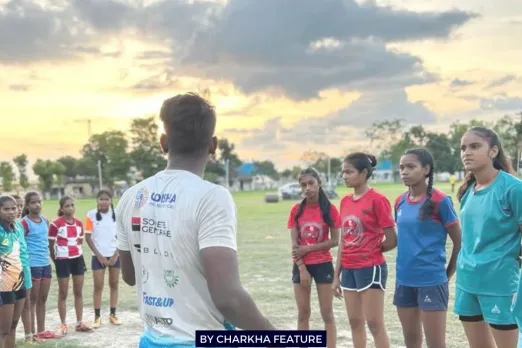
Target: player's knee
x: 327, y: 315
x: 357, y: 324
x: 375, y: 326
x: 303, y: 314
x: 412, y: 338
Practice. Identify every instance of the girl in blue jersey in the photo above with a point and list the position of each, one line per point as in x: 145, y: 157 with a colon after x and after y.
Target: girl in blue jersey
x: 36, y: 236
x: 488, y: 266
x: 425, y: 217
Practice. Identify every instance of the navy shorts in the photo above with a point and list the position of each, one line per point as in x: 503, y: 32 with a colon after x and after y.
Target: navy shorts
x: 39, y: 273
x: 11, y: 297
x: 360, y: 279
x: 96, y: 265
x: 427, y: 298
x: 321, y: 273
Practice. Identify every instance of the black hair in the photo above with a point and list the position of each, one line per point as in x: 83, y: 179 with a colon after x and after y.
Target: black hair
x: 426, y: 159
x: 362, y: 161
x: 5, y: 198
x: 16, y: 197
x: 62, y: 203
x: 501, y: 162
x: 189, y: 121
x: 98, y: 214
x: 324, y: 202
x: 27, y: 200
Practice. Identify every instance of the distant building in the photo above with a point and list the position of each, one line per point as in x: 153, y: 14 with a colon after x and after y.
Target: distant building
x: 383, y: 172
x: 248, y: 180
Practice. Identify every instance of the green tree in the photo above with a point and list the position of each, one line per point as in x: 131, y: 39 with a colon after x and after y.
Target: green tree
x: 111, y: 149
x: 47, y: 172
x: 266, y: 168
x: 71, y: 166
x: 7, y: 174
x: 21, y: 165
x: 146, y: 154
x: 440, y: 147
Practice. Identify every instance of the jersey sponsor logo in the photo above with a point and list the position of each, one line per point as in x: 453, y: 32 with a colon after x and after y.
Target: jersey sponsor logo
x: 170, y: 278
x: 136, y: 224
x: 165, y: 302
x: 311, y: 233
x: 152, y: 321
x: 146, y: 225
x: 142, y: 196
x: 162, y: 200
x: 352, y: 230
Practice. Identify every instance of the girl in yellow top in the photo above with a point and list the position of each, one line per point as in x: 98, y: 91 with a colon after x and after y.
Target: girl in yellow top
x: 100, y: 234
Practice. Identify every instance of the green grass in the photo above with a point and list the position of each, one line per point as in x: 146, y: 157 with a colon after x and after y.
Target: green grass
x: 265, y: 265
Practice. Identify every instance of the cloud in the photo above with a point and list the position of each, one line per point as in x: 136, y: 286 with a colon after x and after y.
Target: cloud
x: 501, y: 81
x: 458, y: 83
x: 303, y: 46
x: 292, y: 47
x: 339, y: 128
x: 501, y: 103
x: 19, y: 87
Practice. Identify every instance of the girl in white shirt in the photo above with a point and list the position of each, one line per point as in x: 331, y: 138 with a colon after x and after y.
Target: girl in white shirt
x: 100, y: 233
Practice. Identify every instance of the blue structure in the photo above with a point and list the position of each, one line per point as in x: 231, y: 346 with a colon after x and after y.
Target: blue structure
x: 384, y: 164
x: 246, y: 170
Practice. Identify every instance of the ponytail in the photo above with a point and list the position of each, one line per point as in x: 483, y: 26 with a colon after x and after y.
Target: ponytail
x: 469, y: 179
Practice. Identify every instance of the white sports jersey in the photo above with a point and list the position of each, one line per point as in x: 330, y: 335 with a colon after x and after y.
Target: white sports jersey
x: 103, y: 232
x: 164, y: 221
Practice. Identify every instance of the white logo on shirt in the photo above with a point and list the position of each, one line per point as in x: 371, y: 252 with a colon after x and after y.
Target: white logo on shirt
x: 427, y: 299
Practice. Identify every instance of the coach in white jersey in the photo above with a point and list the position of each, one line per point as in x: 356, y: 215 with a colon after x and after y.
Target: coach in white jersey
x: 177, y: 238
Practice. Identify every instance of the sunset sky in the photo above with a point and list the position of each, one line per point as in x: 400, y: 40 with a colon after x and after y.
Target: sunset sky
x: 285, y: 75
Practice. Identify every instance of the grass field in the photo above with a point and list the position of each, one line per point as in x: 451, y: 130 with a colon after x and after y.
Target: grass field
x: 265, y: 265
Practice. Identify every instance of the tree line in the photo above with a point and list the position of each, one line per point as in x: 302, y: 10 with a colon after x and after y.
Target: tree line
x: 137, y: 155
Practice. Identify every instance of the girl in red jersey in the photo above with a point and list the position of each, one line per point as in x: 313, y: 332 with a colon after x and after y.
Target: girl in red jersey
x: 311, y: 222
x: 368, y: 230
x: 65, y: 243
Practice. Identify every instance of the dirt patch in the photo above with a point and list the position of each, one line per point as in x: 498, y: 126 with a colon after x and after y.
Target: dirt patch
x: 126, y: 336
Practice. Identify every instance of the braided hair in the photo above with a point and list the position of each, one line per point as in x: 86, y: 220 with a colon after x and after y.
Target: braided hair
x: 426, y: 159
x: 324, y: 202
x: 500, y: 162
x: 98, y: 213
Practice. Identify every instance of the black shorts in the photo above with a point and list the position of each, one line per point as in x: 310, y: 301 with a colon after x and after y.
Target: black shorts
x: 322, y: 273
x: 96, y: 265
x: 66, y: 267
x: 10, y: 297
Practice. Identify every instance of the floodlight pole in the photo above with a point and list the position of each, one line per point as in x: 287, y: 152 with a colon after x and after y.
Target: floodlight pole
x: 329, y: 173
x: 100, y: 174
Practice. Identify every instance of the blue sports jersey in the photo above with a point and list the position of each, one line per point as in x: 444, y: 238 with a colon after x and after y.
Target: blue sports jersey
x: 488, y: 262
x: 37, y: 239
x: 421, y: 244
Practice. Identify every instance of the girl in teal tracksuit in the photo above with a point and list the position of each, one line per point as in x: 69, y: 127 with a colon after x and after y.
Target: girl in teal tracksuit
x: 488, y: 262
x: 14, y: 271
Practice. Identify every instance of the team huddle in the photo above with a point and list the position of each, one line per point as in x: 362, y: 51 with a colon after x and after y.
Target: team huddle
x: 28, y: 245
x: 175, y: 237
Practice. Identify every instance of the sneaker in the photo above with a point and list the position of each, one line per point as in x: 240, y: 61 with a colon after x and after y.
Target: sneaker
x: 83, y: 328
x: 114, y: 319
x: 47, y: 335
x: 30, y: 340
x: 63, y: 330
x: 97, y: 323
